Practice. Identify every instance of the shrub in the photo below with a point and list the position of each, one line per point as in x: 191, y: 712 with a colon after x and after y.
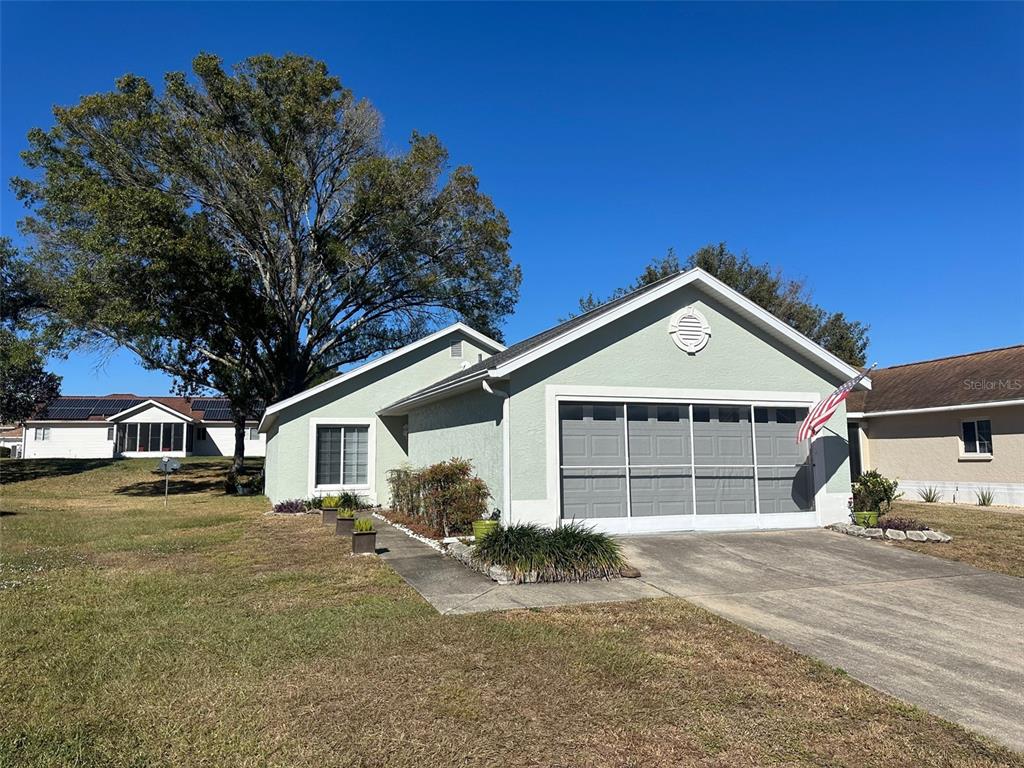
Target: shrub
x: 898, y: 523
x: 930, y: 494
x: 985, y: 496
x: 346, y: 512
x: 330, y: 502
x: 290, y: 507
x: 350, y: 500
x: 573, y: 552
x: 874, y: 493
x: 445, y: 497
x: 316, y: 502
x: 363, y: 525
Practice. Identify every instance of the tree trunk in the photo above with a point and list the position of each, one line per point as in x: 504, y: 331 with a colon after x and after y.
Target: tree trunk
x: 238, y: 463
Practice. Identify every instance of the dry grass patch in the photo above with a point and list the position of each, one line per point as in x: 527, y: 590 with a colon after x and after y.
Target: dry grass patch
x: 214, y: 634
x: 986, y: 537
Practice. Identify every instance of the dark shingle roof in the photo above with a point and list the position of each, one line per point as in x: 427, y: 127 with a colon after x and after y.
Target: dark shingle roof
x: 977, y: 377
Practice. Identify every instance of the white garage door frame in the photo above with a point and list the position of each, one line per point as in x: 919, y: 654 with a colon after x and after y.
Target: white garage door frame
x: 555, y: 395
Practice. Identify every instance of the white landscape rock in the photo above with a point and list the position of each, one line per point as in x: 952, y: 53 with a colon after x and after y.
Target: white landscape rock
x: 501, y: 575
x: 916, y: 536
x: 932, y: 536
x: 855, y: 530
x: 873, y: 533
x: 893, y: 535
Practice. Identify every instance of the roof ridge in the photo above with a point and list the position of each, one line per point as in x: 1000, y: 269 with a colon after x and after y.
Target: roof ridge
x: 953, y: 357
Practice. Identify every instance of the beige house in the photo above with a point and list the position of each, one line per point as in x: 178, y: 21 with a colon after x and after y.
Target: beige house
x: 955, y: 424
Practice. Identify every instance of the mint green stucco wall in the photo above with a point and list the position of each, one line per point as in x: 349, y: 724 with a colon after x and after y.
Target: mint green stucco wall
x: 466, y: 426
x: 637, y: 351
x: 287, y: 463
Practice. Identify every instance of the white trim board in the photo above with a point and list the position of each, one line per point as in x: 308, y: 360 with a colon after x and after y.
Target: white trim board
x: 486, y: 341
x: 936, y: 409
x: 149, y: 404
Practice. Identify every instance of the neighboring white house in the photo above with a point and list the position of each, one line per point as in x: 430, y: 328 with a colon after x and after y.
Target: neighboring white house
x: 78, y: 427
x: 10, y: 438
x: 675, y: 407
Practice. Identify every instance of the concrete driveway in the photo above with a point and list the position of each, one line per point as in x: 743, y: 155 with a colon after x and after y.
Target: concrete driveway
x: 935, y: 633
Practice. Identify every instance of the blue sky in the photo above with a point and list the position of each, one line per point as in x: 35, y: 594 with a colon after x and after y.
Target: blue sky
x: 876, y: 150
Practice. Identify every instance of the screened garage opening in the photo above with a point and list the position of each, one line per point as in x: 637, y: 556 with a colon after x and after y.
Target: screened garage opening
x: 677, y: 466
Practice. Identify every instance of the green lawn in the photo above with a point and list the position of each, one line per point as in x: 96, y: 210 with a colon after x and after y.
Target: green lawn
x: 211, y: 634
x: 987, y: 537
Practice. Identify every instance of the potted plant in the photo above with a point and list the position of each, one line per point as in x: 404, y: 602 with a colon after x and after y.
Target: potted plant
x: 484, y: 526
x: 364, y: 537
x: 873, y: 495
x: 329, y: 508
x: 346, y: 521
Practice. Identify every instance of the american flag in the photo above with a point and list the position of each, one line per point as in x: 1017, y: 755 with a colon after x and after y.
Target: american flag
x: 823, y: 411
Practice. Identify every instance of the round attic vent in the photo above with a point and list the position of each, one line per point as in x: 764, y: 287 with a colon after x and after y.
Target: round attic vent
x: 689, y: 330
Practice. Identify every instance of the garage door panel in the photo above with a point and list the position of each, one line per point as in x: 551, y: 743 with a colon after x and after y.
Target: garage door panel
x: 593, y: 493
x: 725, y: 491
x: 660, y: 491
x: 784, y: 490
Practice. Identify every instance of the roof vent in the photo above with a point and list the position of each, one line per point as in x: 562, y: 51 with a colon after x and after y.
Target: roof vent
x: 457, y: 348
x: 689, y: 330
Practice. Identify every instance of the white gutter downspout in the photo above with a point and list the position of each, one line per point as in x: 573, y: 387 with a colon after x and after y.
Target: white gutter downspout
x: 506, y: 466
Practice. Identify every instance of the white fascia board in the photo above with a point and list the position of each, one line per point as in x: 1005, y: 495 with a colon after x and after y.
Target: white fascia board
x: 486, y: 341
x: 450, y: 389
x: 939, y: 409
x: 716, y: 286
x: 149, y: 404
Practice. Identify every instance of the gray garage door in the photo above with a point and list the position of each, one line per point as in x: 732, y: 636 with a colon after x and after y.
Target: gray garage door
x: 669, y: 462
x: 784, y: 481
x: 593, y: 461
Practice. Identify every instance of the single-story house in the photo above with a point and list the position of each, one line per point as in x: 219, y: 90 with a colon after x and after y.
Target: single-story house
x: 11, y: 438
x: 84, y: 427
x: 674, y: 407
x: 955, y: 424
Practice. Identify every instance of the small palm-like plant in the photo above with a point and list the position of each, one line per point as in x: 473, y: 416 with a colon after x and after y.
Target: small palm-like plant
x: 984, y: 496
x: 347, y: 513
x: 931, y: 494
x: 330, y: 502
x: 363, y: 525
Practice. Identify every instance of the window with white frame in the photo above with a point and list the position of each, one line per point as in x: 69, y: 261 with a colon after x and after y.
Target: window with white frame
x: 342, y: 455
x: 977, y: 437
x: 42, y: 433
x: 110, y: 433
x: 254, y: 433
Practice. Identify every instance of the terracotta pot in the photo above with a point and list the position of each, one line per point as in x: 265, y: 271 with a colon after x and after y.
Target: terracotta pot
x: 330, y: 516
x: 344, y: 526
x: 364, y: 543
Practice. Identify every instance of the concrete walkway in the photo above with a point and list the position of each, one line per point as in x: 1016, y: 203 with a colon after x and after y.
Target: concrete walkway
x: 935, y: 633
x: 454, y: 589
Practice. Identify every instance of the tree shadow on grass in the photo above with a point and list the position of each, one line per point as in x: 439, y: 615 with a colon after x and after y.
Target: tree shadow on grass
x: 191, y: 478
x: 23, y: 470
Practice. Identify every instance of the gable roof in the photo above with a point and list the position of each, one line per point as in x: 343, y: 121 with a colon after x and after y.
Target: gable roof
x: 485, y: 341
x: 976, y: 378
x: 103, y: 408
x: 528, y: 350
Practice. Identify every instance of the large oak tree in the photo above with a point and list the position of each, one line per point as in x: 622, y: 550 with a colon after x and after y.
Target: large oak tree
x: 247, y: 230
